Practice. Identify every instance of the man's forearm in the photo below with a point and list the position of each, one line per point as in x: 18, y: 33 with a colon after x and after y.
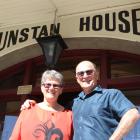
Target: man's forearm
x: 126, y: 124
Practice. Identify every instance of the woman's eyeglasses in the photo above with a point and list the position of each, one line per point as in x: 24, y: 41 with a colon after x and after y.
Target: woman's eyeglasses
x: 55, y: 86
x: 88, y: 72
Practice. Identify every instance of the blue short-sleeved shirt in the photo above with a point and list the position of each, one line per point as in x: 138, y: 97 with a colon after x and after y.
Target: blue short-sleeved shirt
x: 97, y: 114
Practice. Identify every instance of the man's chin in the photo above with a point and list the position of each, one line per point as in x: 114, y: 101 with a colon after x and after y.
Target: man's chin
x: 86, y: 86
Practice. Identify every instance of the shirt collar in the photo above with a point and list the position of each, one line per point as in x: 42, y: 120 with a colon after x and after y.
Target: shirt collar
x: 97, y: 89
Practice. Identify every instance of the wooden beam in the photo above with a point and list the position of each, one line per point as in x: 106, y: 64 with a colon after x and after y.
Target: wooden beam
x: 125, y: 83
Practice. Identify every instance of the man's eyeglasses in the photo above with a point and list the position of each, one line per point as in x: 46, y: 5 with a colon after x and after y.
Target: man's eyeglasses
x: 88, y: 72
x: 48, y: 85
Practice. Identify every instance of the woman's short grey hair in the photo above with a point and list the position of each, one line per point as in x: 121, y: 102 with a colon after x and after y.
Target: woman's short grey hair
x: 52, y: 74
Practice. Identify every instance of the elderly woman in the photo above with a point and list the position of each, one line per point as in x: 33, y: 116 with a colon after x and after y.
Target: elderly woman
x: 47, y: 120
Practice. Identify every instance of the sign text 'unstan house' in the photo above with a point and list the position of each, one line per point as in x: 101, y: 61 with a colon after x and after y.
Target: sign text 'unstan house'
x: 124, y: 21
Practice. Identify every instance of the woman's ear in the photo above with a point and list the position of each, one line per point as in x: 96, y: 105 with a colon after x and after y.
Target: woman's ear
x: 61, y: 90
x: 42, y: 87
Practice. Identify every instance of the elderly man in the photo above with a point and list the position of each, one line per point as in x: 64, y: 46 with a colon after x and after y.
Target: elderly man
x: 100, y: 114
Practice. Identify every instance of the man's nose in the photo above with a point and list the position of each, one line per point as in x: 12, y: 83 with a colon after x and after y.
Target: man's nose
x: 85, y: 74
x: 51, y: 86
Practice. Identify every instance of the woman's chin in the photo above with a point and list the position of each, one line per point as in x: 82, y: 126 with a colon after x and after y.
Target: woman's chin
x: 50, y: 97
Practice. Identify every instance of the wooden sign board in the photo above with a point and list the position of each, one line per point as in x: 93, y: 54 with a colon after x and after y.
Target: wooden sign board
x: 26, y: 89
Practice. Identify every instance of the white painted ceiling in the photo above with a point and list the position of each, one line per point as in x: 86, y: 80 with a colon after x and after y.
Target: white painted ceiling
x: 21, y: 12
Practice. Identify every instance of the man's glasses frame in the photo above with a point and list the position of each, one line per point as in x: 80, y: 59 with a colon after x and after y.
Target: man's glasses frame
x: 88, y: 72
x: 55, y: 86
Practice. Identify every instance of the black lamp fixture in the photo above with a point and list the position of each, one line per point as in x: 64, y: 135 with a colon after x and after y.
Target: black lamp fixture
x: 52, y: 46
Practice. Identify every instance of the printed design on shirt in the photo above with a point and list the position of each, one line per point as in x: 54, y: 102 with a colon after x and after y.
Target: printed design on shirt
x: 49, y: 130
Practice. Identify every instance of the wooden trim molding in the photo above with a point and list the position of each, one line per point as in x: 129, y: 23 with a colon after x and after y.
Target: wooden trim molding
x: 104, y: 57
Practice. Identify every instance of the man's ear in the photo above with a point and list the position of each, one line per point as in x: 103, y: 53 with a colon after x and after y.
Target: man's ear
x: 77, y: 79
x: 61, y: 91
x: 97, y: 74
